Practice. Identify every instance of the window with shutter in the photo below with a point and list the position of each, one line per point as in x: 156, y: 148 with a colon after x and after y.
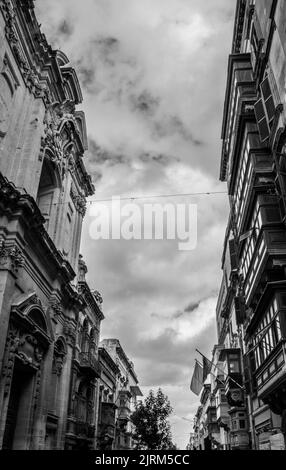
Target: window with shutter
x: 233, y: 254
x: 262, y: 122
x: 268, y: 100
x: 254, y: 47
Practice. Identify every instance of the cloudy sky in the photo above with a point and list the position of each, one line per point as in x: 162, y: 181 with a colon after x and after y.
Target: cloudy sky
x: 153, y: 76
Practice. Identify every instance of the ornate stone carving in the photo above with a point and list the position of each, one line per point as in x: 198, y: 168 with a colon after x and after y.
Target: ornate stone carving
x: 82, y: 269
x: 58, y: 139
x: 31, y: 77
x: 58, y: 364
x: 31, y: 300
x: 55, y: 308
x: 12, y: 37
x: 11, y: 349
x: 98, y: 297
x: 51, y: 145
x: 37, y: 387
x: 23, y: 346
x: 78, y: 200
x: 29, y: 351
x: 11, y: 257
x: 69, y: 330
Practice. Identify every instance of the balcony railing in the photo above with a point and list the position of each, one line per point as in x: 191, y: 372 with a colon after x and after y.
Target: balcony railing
x: 89, y: 363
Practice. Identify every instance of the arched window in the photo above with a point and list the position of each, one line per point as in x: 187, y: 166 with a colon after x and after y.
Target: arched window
x: 6, y: 95
x: 85, y: 337
x: 37, y: 317
x: 93, y: 341
x: 47, y: 193
x: 8, y: 86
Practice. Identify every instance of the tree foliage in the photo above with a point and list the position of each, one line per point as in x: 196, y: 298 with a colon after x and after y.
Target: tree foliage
x: 150, y: 418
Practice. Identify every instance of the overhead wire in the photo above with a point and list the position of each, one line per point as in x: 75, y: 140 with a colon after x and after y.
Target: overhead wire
x: 136, y: 198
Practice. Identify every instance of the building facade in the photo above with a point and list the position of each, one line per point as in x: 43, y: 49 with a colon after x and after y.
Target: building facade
x: 126, y: 392
x: 251, y: 308
x: 211, y: 430
x: 49, y: 317
x: 107, y: 404
x: 206, y: 429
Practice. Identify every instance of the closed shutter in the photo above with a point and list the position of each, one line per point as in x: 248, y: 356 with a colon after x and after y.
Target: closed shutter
x: 261, y: 118
x: 268, y: 99
x: 233, y: 254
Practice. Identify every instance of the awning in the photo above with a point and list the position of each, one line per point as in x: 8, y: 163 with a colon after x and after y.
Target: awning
x: 135, y: 390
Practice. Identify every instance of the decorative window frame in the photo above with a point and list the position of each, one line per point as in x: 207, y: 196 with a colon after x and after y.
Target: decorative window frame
x: 9, y: 74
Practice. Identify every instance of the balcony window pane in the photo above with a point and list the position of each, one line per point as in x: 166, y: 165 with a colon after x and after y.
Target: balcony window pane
x: 242, y: 423
x: 278, y: 328
x: 271, y: 338
x: 234, y: 367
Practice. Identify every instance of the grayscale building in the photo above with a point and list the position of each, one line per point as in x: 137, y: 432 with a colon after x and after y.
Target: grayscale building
x: 251, y: 308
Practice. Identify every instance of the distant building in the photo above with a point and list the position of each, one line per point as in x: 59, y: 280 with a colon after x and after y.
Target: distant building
x: 126, y: 393
x: 211, y: 418
x: 107, y: 406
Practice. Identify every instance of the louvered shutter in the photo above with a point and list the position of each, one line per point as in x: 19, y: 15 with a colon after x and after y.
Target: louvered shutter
x: 261, y: 120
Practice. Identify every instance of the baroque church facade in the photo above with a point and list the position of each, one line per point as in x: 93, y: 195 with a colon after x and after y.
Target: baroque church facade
x: 49, y: 317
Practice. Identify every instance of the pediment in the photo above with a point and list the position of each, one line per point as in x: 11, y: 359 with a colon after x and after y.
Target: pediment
x: 30, y: 309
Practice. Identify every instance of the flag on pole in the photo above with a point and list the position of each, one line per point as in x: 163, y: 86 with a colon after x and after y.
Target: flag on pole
x: 197, y: 379
x: 207, y: 367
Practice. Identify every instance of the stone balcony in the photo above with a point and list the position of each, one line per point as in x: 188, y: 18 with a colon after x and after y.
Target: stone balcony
x: 89, y: 364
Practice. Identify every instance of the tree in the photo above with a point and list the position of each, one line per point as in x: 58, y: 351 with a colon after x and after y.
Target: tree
x: 152, y: 429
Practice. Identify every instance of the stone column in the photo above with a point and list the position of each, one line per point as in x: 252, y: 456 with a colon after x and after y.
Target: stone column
x: 11, y: 260
x: 62, y: 398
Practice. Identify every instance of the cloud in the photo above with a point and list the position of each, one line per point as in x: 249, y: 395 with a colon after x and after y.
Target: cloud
x: 145, y: 103
x: 172, y: 125
x: 153, y: 76
x: 65, y: 28
x: 98, y: 155
x: 191, y: 307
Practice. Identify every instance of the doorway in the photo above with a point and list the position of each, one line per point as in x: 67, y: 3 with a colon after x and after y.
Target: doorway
x: 19, y: 406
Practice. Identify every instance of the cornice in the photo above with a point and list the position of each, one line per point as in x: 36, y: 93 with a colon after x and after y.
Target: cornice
x: 13, y: 204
